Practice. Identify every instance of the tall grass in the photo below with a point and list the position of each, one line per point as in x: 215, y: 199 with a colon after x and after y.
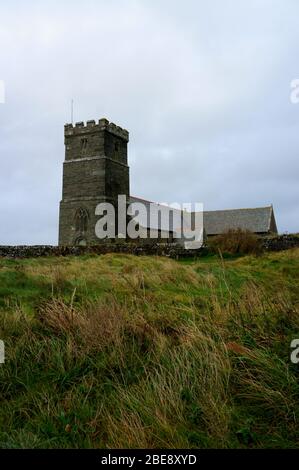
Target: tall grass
x: 119, y: 351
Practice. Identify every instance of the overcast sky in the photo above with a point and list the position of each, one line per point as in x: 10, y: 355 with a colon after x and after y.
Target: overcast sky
x: 202, y: 86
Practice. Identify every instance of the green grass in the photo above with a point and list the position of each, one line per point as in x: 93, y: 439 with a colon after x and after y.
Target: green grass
x: 122, y: 351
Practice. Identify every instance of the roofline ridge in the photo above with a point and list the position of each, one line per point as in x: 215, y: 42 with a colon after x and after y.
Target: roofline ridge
x: 240, y: 209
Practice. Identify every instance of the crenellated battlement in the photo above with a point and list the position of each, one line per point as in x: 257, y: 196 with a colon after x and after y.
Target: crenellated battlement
x: 92, y: 125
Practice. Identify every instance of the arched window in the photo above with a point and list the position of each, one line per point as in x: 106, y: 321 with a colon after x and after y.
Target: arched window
x: 81, y: 220
x: 81, y: 242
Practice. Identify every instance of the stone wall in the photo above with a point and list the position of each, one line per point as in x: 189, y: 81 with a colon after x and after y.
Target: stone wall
x: 150, y: 249
x: 280, y: 242
x: 172, y: 250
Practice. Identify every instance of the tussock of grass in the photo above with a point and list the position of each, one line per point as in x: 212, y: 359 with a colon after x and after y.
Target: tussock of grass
x: 121, y: 351
x: 236, y: 241
x: 86, y: 329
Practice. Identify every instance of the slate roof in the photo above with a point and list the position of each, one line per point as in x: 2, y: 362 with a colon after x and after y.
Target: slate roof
x: 258, y: 220
x: 163, y: 223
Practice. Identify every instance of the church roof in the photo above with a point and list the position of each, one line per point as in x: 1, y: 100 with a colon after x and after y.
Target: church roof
x: 258, y: 220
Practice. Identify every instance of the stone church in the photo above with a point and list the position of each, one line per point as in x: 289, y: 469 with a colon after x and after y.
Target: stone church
x: 96, y: 170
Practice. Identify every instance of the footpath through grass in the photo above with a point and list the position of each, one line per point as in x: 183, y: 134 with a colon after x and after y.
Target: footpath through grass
x: 123, y: 351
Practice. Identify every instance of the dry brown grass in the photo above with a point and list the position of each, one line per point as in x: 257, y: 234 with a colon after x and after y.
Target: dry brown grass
x: 91, y: 328
x: 236, y: 241
x: 151, y: 353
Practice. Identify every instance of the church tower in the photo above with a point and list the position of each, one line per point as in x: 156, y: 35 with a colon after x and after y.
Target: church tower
x: 95, y: 170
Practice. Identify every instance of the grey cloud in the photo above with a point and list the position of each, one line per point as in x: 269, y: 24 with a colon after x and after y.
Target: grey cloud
x: 203, y: 88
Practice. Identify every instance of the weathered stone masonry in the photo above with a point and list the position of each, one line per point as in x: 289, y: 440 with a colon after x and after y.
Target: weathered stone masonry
x: 95, y: 170
x: 273, y: 243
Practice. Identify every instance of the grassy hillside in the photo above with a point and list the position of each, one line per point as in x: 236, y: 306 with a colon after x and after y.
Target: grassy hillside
x: 122, y: 351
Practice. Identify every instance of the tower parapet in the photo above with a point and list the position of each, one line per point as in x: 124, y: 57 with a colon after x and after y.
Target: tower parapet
x: 92, y: 125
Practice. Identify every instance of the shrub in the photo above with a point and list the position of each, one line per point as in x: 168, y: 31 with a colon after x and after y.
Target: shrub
x: 236, y: 241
